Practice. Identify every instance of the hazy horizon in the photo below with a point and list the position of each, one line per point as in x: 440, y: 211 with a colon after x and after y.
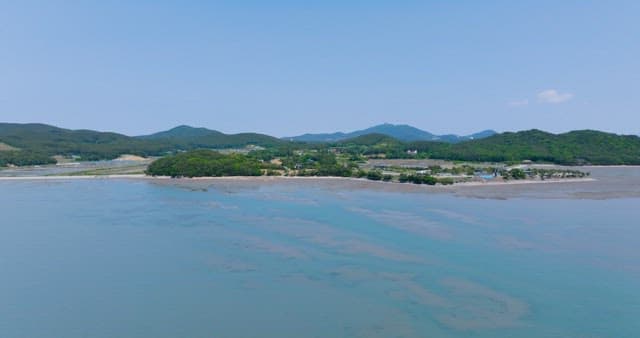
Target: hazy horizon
x: 286, y: 69
x: 303, y: 133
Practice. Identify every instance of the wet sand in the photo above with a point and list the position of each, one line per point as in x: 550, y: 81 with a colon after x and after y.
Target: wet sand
x: 604, y: 183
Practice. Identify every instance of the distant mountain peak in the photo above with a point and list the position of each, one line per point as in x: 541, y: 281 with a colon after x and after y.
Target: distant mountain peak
x: 185, y: 127
x: 193, y: 137
x: 402, y: 132
x: 181, y: 131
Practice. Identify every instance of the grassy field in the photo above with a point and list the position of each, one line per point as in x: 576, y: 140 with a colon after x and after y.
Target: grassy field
x: 128, y: 170
x: 6, y: 147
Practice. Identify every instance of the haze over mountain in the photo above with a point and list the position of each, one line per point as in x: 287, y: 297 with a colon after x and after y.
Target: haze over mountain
x: 402, y: 132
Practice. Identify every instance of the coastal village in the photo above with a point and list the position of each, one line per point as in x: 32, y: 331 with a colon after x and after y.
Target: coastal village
x: 331, y: 163
x: 429, y: 171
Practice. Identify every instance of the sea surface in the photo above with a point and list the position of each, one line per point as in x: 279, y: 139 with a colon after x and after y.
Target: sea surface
x: 137, y: 258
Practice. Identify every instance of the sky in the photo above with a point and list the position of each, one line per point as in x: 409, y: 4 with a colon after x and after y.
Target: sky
x: 289, y: 67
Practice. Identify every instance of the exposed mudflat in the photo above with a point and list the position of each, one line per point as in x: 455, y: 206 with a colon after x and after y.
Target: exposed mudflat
x: 604, y: 183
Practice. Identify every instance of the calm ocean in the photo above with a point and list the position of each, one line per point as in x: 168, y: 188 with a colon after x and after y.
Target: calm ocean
x: 133, y: 258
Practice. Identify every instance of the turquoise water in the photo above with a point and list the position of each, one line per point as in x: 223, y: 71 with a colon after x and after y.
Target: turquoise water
x: 111, y: 258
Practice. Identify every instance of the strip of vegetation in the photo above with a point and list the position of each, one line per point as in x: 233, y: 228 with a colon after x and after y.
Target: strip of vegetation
x: 542, y: 174
x: 24, y: 158
x: 424, y: 179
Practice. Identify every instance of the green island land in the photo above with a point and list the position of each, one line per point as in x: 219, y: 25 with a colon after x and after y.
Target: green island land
x: 322, y: 163
x: 198, y: 152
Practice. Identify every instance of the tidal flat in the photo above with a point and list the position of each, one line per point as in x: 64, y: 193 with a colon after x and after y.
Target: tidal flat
x: 604, y: 182
x: 266, y: 257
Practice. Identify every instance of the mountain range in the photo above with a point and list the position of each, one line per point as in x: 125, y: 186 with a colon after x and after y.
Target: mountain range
x: 90, y: 144
x: 30, y: 144
x: 402, y: 132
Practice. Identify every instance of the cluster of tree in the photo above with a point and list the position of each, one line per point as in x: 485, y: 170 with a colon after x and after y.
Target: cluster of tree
x: 557, y: 173
x: 22, y: 158
x: 520, y: 174
x: 318, y: 163
x: 373, y: 175
x: 377, y: 175
x: 424, y: 179
x: 201, y: 163
x: 514, y: 174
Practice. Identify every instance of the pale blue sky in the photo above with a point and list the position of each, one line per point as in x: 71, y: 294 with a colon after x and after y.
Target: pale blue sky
x: 289, y: 67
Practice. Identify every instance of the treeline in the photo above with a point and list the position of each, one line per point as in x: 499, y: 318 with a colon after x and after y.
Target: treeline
x: 205, y: 163
x: 21, y: 158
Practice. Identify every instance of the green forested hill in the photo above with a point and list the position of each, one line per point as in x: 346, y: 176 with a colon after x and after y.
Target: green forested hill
x: 88, y: 144
x: 37, y: 142
x: 220, y: 140
x: 198, y: 163
x: 179, y: 132
x: 187, y: 137
x: 576, y: 147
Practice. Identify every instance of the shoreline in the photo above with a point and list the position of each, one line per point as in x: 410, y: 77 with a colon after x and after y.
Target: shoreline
x: 276, y: 178
x: 70, y: 177
x: 606, y: 184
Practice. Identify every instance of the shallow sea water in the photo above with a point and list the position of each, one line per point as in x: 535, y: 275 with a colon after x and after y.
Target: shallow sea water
x: 132, y: 258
